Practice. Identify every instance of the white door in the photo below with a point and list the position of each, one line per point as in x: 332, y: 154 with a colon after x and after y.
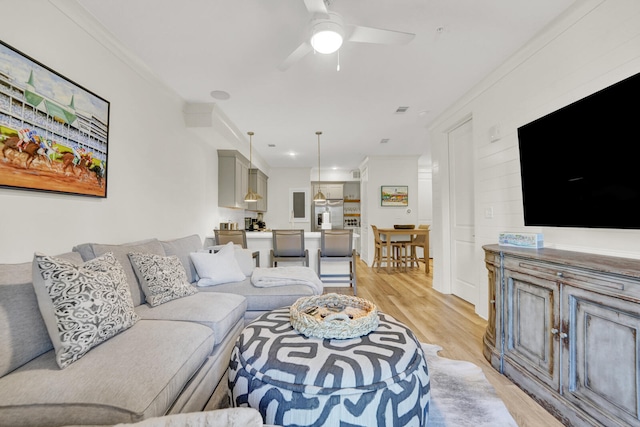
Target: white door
x: 461, y: 197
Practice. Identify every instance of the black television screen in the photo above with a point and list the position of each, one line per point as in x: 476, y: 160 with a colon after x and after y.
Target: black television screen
x: 580, y: 165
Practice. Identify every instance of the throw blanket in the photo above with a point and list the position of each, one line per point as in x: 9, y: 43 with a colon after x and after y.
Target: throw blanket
x: 280, y: 276
x: 230, y: 417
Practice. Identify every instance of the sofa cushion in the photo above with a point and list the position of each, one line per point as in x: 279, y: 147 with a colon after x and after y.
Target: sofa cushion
x: 152, y: 246
x: 218, y: 311
x: 133, y: 376
x: 216, y: 268
x: 181, y: 248
x: 82, y: 306
x: 262, y: 299
x: 163, y: 278
x: 23, y: 334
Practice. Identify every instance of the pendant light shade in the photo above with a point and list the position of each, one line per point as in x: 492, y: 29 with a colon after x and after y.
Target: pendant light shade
x: 319, y: 196
x: 251, y: 195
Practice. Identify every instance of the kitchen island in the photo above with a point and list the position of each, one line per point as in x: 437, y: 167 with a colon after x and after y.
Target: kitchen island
x: 262, y: 241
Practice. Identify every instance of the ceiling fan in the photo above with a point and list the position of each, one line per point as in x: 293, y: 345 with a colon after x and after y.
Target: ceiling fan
x: 327, y: 31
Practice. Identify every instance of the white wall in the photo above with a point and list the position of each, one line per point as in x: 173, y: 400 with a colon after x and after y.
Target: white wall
x: 162, y: 177
x: 594, y: 45
x: 281, y: 180
x: 400, y: 170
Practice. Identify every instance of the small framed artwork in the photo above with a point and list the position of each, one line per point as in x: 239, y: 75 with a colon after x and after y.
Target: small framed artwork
x: 394, y: 195
x: 53, y: 132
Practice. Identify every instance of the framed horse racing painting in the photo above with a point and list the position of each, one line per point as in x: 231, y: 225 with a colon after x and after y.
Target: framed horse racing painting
x: 53, y: 132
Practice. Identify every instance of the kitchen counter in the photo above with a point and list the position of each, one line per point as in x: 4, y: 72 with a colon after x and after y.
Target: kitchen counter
x: 262, y: 241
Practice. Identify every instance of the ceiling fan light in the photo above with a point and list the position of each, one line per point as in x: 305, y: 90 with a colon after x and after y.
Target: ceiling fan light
x: 327, y: 34
x: 326, y: 41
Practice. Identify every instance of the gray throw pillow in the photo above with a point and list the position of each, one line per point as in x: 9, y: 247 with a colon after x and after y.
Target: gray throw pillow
x: 82, y: 306
x: 163, y: 278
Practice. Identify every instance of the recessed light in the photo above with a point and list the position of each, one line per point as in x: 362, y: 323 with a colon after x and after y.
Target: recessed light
x: 220, y: 94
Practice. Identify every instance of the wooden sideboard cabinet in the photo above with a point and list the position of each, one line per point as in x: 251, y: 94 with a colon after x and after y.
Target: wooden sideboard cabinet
x: 565, y: 327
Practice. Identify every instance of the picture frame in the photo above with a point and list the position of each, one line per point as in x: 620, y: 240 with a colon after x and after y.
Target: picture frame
x: 394, y: 195
x: 54, y: 133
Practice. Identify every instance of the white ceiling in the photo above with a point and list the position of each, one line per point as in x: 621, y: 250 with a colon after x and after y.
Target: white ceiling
x: 198, y: 46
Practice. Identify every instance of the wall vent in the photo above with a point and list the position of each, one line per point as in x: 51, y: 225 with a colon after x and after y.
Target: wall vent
x: 355, y: 174
x: 384, y: 140
x: 402, y: 110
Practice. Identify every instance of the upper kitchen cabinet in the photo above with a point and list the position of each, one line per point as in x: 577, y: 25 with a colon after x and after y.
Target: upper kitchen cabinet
x: 258, y: 183
x: 233, y: 179
x: 331, y: 190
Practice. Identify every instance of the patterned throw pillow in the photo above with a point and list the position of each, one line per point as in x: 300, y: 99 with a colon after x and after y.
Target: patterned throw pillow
x: 82, y: 306
x: 163, y: 278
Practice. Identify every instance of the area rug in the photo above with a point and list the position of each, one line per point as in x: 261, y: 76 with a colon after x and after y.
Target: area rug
x: 461, y: 396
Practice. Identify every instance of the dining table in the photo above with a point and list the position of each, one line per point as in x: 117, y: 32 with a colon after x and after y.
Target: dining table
x: 405, y: 234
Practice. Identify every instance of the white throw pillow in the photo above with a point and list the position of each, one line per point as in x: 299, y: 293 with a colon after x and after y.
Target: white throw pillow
x: 217, y: 268
x: 82, y: 306
x: 163, y: 278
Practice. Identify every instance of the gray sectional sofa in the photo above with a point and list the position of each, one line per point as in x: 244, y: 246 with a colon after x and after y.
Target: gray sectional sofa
x: 172, y: 360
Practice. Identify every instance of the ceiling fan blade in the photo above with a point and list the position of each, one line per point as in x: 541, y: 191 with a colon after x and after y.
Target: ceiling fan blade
x: 300, y: 52
x: 379, y: 36
x: 316, y: 6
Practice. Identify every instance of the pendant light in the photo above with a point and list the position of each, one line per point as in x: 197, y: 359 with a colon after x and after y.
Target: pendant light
x: 319, y: 197
x: 251, y: 196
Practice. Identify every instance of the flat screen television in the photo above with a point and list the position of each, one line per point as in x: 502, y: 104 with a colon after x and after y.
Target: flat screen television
x: 580, y: 165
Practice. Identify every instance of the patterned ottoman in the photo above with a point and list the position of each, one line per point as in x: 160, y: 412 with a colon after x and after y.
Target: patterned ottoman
x: 380, y: 379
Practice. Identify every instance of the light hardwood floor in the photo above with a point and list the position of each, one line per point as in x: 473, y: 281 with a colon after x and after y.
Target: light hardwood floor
x: 447, y: 321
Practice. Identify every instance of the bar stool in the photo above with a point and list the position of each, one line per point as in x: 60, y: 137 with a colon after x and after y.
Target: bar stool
x: 288, y: 245
x: 238, y: 237
x: 337, y: 246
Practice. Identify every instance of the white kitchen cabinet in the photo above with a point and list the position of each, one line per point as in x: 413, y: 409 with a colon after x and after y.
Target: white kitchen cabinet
x: 330, y: 190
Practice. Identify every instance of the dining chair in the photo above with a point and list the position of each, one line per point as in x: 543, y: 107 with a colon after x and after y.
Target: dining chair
x: 397, y: 255
x: 288, y: 245
x: 420, y: 241
x: 238, y: 237
x: 337, y: 246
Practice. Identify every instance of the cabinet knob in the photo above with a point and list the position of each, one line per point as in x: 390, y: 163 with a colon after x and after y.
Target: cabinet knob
x: 554, y: 331
x: 563, y: 335
x: 559, y: 274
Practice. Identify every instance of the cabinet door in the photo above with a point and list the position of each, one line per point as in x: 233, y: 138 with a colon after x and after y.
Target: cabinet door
x: 335, y: 191
x: 263, y: 189
x: 242, y: 183
x: 602, y: 354
x: 532, y: 324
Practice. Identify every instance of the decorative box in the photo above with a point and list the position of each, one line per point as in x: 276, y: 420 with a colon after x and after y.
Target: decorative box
x: 521, y: 240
